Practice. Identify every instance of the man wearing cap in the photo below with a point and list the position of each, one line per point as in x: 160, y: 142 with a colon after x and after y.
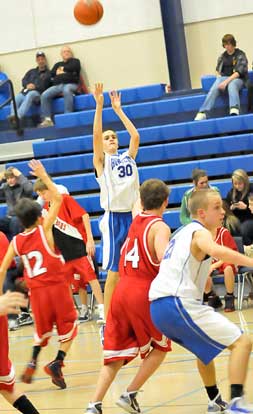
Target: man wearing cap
x: 35, y: 81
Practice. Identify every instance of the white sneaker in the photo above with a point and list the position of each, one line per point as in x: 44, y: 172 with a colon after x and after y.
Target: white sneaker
x: 94, y: 408
x: 84, y: 315
x: 201, y: 116
x: 239, y: 406
x: 46, y: 123
x: 234, y: 111
x: 217, y: 406
x: 129, y: 403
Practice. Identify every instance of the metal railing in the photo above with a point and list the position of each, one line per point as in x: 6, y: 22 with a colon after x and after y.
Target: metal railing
x: 18, y: 127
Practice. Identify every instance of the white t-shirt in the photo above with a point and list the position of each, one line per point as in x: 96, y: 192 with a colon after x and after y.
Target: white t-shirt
x: 119, y: 183
x: 180, y: 274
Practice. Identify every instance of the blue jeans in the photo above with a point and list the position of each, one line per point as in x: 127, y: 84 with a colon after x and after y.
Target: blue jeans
x: 24, y: 102
x: 232, y: 89
x: 66, y: 89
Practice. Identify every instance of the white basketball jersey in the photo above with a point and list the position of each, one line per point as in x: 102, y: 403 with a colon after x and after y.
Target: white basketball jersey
x: 119, y: 183
x: 180, y: 273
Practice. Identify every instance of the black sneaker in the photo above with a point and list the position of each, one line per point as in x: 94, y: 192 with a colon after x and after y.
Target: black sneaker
x: 54, y: 370
x: 214, y: 301
x: 94, y: 408
x: 25, y: 319
x: 128, y: 402
x: 229, y: 303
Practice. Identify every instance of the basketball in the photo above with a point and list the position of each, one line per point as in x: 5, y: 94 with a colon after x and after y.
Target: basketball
x: 88, y: 12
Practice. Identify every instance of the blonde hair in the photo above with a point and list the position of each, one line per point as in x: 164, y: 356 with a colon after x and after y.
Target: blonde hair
x: 241, y: 176
x: 200, y: 199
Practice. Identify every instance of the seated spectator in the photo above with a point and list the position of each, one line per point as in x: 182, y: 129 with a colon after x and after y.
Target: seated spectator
x: 16, y: 186
x: 232, y: 69
x: 237, y: 197
x: 231, y: 222
x: 200, y: 181
x: 34, y: 82
x: 65, y: 78
x: 4, y: 89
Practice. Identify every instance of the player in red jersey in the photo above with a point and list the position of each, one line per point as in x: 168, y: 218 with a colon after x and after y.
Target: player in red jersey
x: 129, y: 329
x: 222, y: 236
x: 73, y: 237
x: 45, y: 278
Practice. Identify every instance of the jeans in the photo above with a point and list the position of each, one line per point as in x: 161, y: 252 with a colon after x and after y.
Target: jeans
x: 24, y: 102
x: 10, y: 226
x: 233, y: 90
x: 66, y: 89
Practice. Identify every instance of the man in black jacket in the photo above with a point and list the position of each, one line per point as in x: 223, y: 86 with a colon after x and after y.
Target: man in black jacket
x: 16, y: 186
x: 65, y: 80
x: 35, y: 81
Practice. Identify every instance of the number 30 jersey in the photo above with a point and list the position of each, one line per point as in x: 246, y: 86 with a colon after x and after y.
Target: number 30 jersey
x: 119, y: 183
x: 135, y: 259
x: 42, y: 266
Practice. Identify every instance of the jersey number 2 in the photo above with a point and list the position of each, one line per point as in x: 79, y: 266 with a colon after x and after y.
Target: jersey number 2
x: 37, y: 268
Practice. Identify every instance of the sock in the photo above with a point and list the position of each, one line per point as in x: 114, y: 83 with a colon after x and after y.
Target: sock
x: 101, y: 310
x: 212, y: 392
x: 36, y: 351
x: 84, y: 308
x: 60, y: 356
x: 236, y: 390
x: 25, y: 406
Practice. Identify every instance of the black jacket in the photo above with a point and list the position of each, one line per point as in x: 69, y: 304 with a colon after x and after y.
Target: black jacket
x: 41, y: 79
x: 71, y: 72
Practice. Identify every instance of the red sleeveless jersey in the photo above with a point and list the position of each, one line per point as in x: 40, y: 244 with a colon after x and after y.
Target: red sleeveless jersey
x: 135, y: 258
x: 42, y: 266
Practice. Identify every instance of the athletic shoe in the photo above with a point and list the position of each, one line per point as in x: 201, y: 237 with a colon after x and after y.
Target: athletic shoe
x: 229, y: 303
x: 217, y: 406
x: 46, y: 123
x: 201, y: 116
x: 54, y: 370
x: 94, y: 408
x: 84, y: 316
x: 13, y: 324
x: 28, y: 373
x: 234, y: 111
x: 239, y: 406
x: 214, y: 301
x: 128, y: 402
x: 101, y: 320
x: 25, y: 319
x: 101, y: 334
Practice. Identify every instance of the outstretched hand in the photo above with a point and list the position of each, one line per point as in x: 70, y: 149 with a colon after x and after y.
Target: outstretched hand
x: 98, y: 94
x: 115, y: 100
x: 37, y: 168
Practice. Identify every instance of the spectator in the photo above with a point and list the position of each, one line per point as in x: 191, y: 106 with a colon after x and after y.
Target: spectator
x: 200, y: 181
x: 17, y: 186
x: 35, y: 81
x: 237, y: 197
x: 231, y: 222
x: 232, y: 69
x: 65, y: 79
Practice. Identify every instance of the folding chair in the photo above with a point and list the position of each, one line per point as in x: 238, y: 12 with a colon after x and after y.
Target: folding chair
x: 244, y: 274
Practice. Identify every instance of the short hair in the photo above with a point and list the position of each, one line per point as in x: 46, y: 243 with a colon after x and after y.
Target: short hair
x: 153, y: 193
x: 200, y: 199
x: 9, y: 173
x: 39, y: 185
x: 228, y: 39
x: 197, y: 173
x: 28, y: 211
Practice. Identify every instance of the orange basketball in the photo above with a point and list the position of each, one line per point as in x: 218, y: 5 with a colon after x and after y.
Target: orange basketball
x: 88, y: 11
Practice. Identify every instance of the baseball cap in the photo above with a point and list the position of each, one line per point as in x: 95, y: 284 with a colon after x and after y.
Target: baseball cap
x: 40, y: 53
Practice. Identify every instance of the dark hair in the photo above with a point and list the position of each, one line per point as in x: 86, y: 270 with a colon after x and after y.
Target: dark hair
x: 197, y: 173
x: 153, y: 193
x: 228, y: 39
x: 28, y: 211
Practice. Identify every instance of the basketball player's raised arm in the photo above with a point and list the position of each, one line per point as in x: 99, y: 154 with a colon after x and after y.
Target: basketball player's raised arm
x: 39, y: 171
x: 205, y: 243
x: 134, y: 134
x: 98, y: 153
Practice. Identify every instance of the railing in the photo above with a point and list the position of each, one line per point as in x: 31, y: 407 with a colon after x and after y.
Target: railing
x: 18, y: 128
